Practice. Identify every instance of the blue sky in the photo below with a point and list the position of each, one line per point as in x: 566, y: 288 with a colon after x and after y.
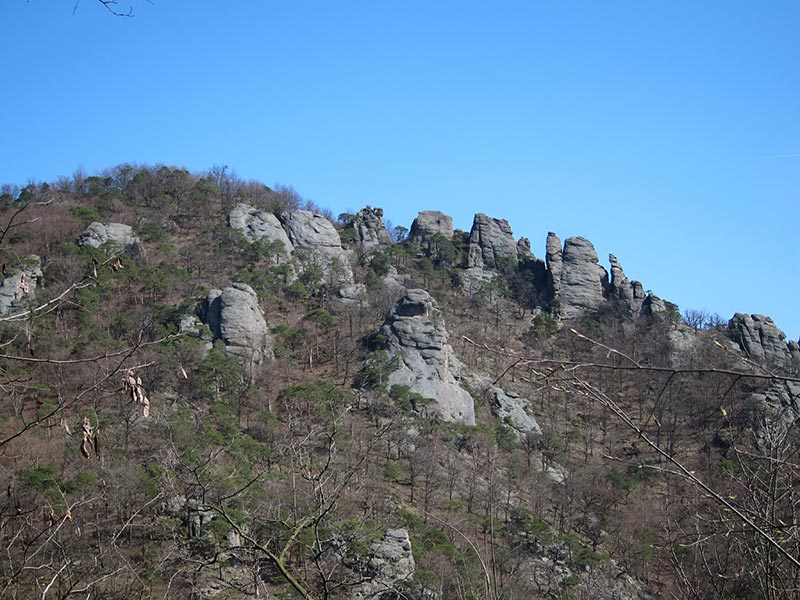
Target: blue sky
x: 667, y: 133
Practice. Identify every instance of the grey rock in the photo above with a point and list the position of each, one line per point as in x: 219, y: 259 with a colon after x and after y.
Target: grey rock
x: 762, y: 341
x: 512, y: 409
x: 554, y: 262
x: 118, y: 235
x: 653, y: 305
x: 19, y: 284
x: 391, y: 562
x: 233, y: 315
x: 310, y: 229
x: 428, y: 224
x: 353, y: 293
x: 582, y: 278
x: 685, y: 346
x: 422, y: 359
x: 476, y: 280
x: 611, y: 582
x: 394, y: 282
x: 778, y: 410
x: 370, y: 228
x: 629, y: 293
x: 491, y: 244
x: 257, y: 225
x: 191, y: 325
x: 524, y: 249
x: 194, y: 514
x: 316, y: 233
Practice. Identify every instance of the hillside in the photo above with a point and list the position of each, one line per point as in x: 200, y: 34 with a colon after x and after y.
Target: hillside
x: 214, y: 389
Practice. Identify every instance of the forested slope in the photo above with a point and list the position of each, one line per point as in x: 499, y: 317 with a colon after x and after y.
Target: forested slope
x: 214, y: 389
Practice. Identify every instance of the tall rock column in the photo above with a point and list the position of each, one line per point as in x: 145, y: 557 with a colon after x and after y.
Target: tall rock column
x: 370, y: 228
x: 491, y: 244
x: 554, y: 262
x: 582, y: 278
x: 630, y: 293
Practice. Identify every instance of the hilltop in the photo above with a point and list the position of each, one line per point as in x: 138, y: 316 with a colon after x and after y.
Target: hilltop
x: 215, y: 389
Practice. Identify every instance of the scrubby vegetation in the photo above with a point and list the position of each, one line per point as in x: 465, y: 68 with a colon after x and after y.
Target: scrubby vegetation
x: 276, y: 479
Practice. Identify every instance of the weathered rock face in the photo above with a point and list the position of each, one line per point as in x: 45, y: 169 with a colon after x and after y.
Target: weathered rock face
x: 491, y: 244
x: 477, y: 280
x: 511, y: 408
x: 779, y: 409
x: 582, y: 278
x: 391, y: 563
x: 297, y: 229
x: 117, y: 234
x: 20, y: 283
x: 629, y: 293
x: 762, y: 341
x: 316, y: 233
x: 423, y: 360
x: 258, y: 224
x: 428, y: 224
x: 524, y: 249
x: 355, y: 293
x: 233, y: 315
x: 370, y: 228
x: 554, y: 262
x: 653, y: 305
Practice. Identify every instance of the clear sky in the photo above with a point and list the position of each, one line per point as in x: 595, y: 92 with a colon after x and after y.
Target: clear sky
x: 667, y: 133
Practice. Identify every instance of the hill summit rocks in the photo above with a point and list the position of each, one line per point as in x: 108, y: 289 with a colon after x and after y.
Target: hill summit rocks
x: 582, y: 279
x: 427, y: 225
x: 297, y: 229
x: 370, y: 229
x: 491, y: 244
x: 259, y: 224
x: 762, y: 341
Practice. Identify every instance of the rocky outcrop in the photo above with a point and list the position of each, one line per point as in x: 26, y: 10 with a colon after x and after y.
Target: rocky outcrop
x: 233, y: 316
x: 478, y: 280
x: 306, y: 236
x: 778, y: 410
x: 117, y: 235
x: 391, y: 563
x: 194, y: 515
x: 310, y: 229
x: 257, y: 224
x: 19, y: 284
x: 554, y: 262
x: 654, y: 305
x: 421, y: 358
x: 355, y: 293
x: 629, y: 293
x: 370, y: 229
x: 430, y: 223
x: 491, y: 244
x: 313, y: 231
x: 524, y: 249
x: 762, y: 341
x: 582, y: 278
x: 512, y: 409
